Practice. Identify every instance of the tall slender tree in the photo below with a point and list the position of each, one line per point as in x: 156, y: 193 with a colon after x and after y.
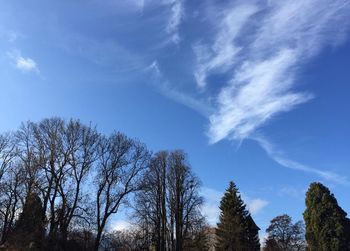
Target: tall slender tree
x: 168, y: 206
x: 236, y: 229
x: 151, y: 208
x: 184, y: 200
x: 327, y: 228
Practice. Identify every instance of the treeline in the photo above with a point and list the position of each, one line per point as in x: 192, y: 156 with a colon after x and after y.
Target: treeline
x: 62, y: 182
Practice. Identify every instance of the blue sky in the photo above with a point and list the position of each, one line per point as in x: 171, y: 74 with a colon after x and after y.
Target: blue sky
x: 254, y: 91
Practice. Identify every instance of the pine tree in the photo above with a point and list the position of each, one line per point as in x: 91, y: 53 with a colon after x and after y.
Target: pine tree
x: 29, y: 229
x: 236, y: 230
x: 326, y: 222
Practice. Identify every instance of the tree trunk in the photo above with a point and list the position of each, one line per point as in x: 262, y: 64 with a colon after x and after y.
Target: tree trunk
x: 98, y: 239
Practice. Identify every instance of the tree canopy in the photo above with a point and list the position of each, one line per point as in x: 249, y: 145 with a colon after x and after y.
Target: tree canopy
x: 327, y: 228
x: 283, y: 235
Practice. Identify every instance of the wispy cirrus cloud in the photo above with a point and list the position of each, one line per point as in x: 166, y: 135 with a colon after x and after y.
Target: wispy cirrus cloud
x: 260, y: 49
x: 173, y: 15
x: 174, y: 20
x: 25, y: 64
x: 278, y: 37
x: 279, y: 157
x: 169, y: 90
x: 257, y: 92
x: 220, y: 55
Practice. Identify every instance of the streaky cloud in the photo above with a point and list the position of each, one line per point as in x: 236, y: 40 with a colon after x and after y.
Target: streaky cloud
x: 259, y: 91
x: 174, y: 20
x: 220, y: 56
x: 279, y: 37
x: 167, y: 89
x: 279, y: 157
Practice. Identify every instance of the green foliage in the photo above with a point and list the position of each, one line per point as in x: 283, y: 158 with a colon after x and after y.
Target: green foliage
x: 236, y: 229
x: 327, y: 228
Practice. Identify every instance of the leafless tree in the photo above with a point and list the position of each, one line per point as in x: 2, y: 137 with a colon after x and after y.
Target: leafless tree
x: 151, y: 207
x: 121, y: 164
x: 7, y: 152
x: 167, y: 208
x: 52, y: 157
x: 81, y: 144
x: 284, y: 235
x: 82, y: 178
x: 11, y: 194
x: 184, y: 200
x: 57, y: 157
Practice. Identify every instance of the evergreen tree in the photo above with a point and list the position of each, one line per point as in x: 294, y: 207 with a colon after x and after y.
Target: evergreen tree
x: 29, y: 229
x: 326, y: 222
x: 236, y: 230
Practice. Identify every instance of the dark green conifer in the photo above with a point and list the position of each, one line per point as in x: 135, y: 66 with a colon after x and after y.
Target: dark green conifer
x: 326, y: 222
x: 236, y: 230
x: 29, y: 229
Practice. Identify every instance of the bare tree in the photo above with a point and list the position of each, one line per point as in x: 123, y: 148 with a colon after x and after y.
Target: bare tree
x: 52, y: 157
x: 284, y: 235
x: 7, y: 152
x: 121, y: 164
x: 167, y: 208
x: 11, y: 194
x: 184, y: 200
x: 62, y: 162
x: 9, y: 184
x: 81, y: 144
x: 151, y: 207
x: 28, y: 155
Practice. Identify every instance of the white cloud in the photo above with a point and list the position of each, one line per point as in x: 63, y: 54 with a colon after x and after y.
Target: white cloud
x: 257, y: 92
x: 210, y: 208
x: 220, y: 55
x: 25, y: 64
x: 278, y: 156
x: 278, y: 38
x: 153, y: 68
x: 174, y: 20
x: 256, y: 205
x: 212, y: 198
x: 260, y: 48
